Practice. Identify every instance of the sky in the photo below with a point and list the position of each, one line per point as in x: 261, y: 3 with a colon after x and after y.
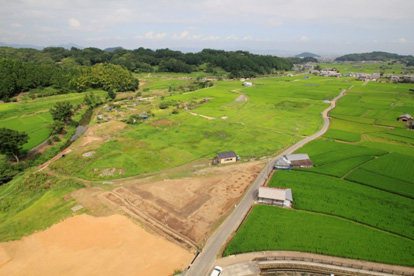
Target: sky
x: 325, y: 27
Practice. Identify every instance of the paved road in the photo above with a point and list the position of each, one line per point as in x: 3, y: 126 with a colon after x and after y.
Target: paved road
x: 203, y: 264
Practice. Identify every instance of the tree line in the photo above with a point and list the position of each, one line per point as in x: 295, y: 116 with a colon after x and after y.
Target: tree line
x: 17, y: 76
x: 237, y: 63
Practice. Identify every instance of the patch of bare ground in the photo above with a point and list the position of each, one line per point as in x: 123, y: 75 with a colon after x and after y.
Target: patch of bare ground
x: 182, y: 208
x: 86, y: 245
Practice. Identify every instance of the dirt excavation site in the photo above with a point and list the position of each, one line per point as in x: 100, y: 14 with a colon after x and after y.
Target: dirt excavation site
x: 135, y: 226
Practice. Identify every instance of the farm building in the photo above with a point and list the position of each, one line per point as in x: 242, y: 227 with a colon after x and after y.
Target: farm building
x: 226, y: 157
x: 247, y: 83
x: 405, y: 118
x: 288, y: 161
x: 275, y: 196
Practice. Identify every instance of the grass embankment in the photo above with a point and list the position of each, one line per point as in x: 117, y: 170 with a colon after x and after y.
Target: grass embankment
x: 359, y: 197
x: 34, y: 202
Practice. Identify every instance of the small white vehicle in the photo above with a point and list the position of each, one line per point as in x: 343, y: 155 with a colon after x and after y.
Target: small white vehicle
x: 216, y: 271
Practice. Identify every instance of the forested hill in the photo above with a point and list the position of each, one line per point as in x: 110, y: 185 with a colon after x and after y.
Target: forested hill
x: 377, y: 56
x: 237, y: 63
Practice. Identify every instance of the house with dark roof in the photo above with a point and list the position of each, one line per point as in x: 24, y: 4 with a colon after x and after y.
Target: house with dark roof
x: 226, y: 157
x: 275, y: 196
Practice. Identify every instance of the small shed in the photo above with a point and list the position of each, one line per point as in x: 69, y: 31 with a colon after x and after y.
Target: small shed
x: 275, y: 196
x: 288, y: 161
x: 247, y: 83
x: 405, y: 118
x: 282, y: 163
x: 227, y: 157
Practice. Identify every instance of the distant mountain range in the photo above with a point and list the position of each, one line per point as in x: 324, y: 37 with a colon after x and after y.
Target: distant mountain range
x: 112, y: 49
x: 307, y: 54
x: 18, y: 46
x: 378, y: 56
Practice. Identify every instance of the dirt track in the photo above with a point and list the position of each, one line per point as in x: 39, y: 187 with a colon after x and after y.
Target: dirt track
x: 86, y: 245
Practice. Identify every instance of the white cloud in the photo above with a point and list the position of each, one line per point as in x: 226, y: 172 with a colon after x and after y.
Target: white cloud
x: 304, y: 38
x: 232, y: 37
x: 181, y: 36
x: 149, y: 35
x: 46, y: 29
x: 401, y: 40
x: 74, y: 23
x: 274, y: 22
x: 247, y: 38
x: 161, y: 36
x: 16, y: 25
x: 212, y: 37
x: 196, y: 37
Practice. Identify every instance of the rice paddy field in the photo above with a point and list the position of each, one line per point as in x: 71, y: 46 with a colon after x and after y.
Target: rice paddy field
x: 268, y: 118
x: 33, y: 117
x: 363, y: 177
x: 367, y: 68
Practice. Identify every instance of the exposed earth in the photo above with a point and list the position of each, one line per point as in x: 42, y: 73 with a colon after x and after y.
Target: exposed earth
x: 86, y: 245
x: 184, y: 209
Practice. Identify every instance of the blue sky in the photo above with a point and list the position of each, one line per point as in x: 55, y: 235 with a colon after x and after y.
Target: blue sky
x: 289, y: 26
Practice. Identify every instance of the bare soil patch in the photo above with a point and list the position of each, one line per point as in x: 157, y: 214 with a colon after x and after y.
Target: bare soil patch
x: 241, y: 98
x: 163, y: 122
x: 189, y: 206
x: 86, y: 245
x: 204, y: 116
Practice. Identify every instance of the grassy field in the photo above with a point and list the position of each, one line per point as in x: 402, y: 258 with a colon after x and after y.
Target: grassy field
x: 271, y: 228
x: 258, y: 127
x: 363, y: 177
x: 34, y: 202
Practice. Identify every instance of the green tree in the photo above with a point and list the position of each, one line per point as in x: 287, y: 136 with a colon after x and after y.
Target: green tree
x: 111, y: 94
x: 62, y: 111
x: 58, y: 126
x: 11, y: 142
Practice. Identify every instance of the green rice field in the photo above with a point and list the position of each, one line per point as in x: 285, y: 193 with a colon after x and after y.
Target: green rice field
x: 272, y: 228
x: 362, y: 176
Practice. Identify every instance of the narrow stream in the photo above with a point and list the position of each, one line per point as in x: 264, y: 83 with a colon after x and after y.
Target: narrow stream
x: 81, y: 128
